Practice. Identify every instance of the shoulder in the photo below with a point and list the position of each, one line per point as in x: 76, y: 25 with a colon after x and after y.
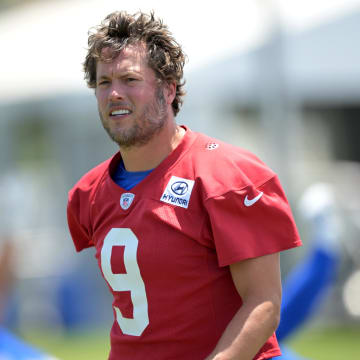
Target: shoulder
x: 89, y: 182
x: 223, y: 167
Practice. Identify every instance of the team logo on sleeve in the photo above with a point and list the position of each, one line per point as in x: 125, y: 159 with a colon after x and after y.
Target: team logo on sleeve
x: 178, y: 191
x: 126, y: 200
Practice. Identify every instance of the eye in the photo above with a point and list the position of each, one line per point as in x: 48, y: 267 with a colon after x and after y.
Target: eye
x: 103, y: 82
x: 130, y: 79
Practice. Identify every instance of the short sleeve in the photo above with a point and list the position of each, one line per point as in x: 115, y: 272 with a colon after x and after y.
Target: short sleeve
x: 252, y: 222
x: 78, y: 220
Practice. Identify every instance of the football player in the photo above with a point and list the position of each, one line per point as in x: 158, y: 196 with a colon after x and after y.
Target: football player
x: 187, y: 229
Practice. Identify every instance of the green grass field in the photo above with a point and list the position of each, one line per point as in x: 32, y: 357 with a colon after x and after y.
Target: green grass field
x: 72, y: 346
x: 329, y: 344
x: 321, y: 344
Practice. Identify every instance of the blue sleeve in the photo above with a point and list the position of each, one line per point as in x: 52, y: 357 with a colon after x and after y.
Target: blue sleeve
x: 304, y: 287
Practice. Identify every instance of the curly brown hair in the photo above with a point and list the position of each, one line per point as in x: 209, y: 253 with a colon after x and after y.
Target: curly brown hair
x: 120, y: 29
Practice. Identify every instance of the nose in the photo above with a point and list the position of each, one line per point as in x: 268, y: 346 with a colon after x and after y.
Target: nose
x: 116, y: 92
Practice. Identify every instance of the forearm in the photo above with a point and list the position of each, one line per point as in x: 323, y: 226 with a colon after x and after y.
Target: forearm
x: 247, y: 332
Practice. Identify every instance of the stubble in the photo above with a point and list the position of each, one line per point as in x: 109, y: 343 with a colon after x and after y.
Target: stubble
x: 145, y: 127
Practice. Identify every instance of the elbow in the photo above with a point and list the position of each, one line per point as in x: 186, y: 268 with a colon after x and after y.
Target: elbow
x: 276, y: 318
x: 274, y: 312
x: 268, y: 313
x: 271, y: 314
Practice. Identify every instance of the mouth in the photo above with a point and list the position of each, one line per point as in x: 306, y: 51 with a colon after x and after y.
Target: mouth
x: 118, y: 113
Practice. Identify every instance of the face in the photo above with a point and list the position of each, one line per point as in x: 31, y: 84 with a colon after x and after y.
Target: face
x: 133, y: 106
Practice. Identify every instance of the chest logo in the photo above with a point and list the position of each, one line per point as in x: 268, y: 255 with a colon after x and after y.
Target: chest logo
x: 126, y: 200
x: 178, y: 192
x: 180, y: 188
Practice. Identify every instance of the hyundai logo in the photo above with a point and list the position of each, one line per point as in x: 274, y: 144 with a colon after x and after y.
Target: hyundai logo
x: 180, y: 188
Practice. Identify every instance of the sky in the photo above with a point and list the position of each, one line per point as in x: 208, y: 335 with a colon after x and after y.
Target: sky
x: 45, y: 42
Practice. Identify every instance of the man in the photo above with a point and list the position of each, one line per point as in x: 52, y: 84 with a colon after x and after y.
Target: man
x: 187, y: 229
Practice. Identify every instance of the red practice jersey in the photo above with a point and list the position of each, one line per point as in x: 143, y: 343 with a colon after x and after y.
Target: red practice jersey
x: 164, y: 246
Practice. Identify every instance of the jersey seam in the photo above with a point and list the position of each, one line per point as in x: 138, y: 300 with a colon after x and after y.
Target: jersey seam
x: 210, y: 294
x: 209, y: 197
x: 186, y: 151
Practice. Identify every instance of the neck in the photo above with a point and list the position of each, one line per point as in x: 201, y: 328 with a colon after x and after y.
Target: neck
x: 150, y: 155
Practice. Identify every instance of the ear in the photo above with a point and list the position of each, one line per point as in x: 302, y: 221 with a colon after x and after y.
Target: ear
x: 170, y: 92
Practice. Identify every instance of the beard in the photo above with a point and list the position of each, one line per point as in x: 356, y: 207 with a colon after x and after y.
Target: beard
x: 145, y: 126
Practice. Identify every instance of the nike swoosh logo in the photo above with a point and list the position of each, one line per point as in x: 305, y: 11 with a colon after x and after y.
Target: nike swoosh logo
x: 250, y: 202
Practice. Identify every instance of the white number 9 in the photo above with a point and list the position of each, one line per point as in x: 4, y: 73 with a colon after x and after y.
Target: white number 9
x: 131, y: 281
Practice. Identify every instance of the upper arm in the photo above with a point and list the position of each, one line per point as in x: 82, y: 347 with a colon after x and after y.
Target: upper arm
x: 258, y: 279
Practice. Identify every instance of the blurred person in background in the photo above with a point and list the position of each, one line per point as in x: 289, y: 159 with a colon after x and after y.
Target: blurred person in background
x: 13, y: 209
x: 187, y: 229
x: 307, y: 285
x: 333, y: 212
